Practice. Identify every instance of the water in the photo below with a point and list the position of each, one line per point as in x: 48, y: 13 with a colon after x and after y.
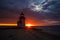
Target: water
x: 30, y: 34
x: 52, y: 29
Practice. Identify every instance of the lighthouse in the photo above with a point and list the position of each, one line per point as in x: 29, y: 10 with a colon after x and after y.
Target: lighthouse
x: 21, y: 22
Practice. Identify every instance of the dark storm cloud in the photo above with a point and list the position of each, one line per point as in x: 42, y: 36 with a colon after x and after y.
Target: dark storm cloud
x: 48, y: 4
x: 51, y: 10
x: 13, y: 3
x: 44, y: 1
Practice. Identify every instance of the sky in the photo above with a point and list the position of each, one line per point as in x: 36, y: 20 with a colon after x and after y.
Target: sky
x: 37, y: 12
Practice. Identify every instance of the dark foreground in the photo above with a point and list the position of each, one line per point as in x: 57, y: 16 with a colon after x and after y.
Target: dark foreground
x: 26, y: 34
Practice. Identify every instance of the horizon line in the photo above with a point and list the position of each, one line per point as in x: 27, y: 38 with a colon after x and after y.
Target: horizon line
x: 16, y: 25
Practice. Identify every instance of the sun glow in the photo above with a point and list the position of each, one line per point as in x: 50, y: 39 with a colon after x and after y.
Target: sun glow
x: 29, y: 25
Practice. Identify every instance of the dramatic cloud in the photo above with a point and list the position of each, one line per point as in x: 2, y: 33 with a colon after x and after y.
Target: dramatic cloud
x: 50, y: 13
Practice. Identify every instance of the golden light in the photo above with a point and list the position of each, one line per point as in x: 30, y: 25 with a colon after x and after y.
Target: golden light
x: 8, y: 24
x: 29, y: 25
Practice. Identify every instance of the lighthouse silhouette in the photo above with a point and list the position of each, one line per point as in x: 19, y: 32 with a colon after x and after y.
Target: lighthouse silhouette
x: 21, y: 22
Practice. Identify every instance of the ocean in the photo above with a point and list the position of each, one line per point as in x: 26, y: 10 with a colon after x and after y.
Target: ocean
x: 35, y: 33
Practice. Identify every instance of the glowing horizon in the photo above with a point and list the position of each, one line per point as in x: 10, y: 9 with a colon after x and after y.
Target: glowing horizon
x: 13, y: 25
x: 8, y: 24
x: 16, y: 25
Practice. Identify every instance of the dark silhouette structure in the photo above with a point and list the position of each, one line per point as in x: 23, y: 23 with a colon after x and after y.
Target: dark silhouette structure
x: 21, y: 22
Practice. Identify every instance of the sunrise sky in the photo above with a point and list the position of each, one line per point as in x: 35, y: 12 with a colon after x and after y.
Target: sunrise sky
x: 37, y: 12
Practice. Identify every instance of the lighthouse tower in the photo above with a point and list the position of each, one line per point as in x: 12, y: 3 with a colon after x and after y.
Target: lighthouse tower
x: 21, y: 22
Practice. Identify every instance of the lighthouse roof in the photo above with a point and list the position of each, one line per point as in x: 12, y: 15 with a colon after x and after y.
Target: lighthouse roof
x: 22, y: 13
x: 22, y: 16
